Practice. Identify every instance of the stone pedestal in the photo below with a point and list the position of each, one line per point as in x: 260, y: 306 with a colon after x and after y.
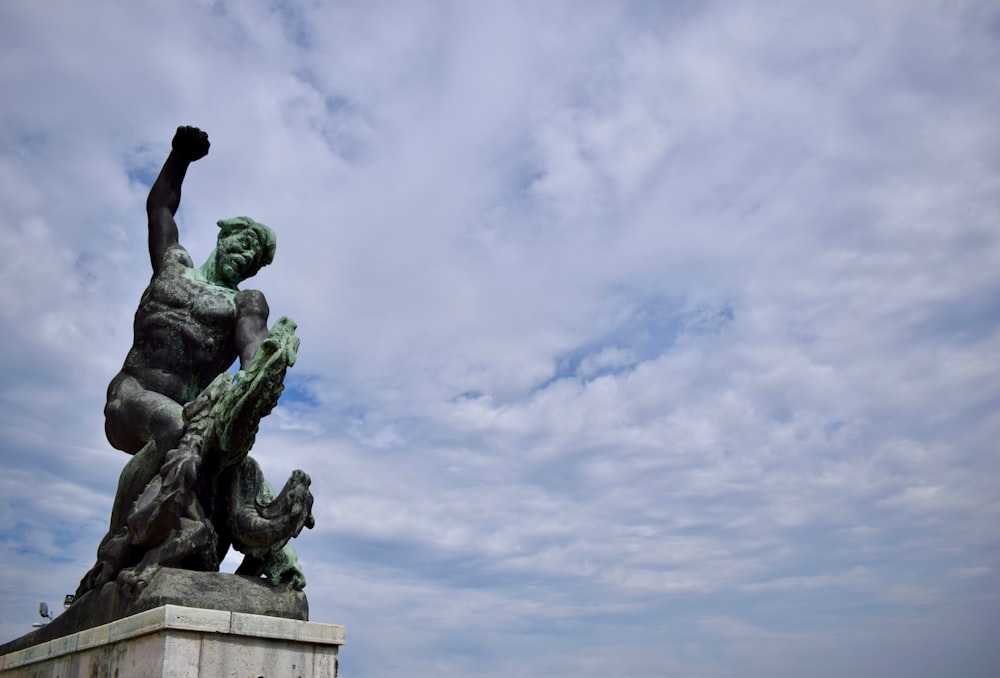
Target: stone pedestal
x: 168, y: 586
x: 172, y: 641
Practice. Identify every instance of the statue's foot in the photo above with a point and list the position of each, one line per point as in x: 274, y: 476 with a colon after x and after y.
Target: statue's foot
x: 132, y: 580
x: 280, y: 567
x: 113, y: 553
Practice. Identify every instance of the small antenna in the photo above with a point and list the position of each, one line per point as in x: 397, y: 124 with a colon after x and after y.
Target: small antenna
x: 43, y: 612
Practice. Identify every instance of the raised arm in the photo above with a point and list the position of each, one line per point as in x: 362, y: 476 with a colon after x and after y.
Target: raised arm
x: 189, y: 144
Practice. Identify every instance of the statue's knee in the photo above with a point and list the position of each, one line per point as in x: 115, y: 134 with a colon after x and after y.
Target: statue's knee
x: 118, y: 429
x: 167, y: 428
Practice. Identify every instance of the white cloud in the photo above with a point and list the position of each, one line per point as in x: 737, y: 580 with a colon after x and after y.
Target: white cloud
x: 645, y: 338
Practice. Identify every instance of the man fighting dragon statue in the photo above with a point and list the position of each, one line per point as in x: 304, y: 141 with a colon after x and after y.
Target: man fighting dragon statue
x: 190, y: 490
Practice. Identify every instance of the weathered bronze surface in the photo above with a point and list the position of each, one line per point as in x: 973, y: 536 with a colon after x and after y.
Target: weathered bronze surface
x: 190, y: 491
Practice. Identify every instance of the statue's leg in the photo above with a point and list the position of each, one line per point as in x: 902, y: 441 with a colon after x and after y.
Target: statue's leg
x: 137, y: 473
x: 145, y: 424
x: 193, y: 546
x: 114, y: 553
x: 134, y: 415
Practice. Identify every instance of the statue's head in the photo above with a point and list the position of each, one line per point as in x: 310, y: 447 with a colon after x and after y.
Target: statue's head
x: 244, y: 247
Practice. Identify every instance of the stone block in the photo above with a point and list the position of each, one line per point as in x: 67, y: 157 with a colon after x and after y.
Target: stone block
x: 180, y: 642
x: 215, y: 591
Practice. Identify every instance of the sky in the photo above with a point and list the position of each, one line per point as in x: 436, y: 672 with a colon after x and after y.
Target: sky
x: 638, y: 338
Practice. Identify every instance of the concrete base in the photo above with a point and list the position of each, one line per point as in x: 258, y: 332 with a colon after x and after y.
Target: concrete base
x: 183, y: 642
x: 167, y: 586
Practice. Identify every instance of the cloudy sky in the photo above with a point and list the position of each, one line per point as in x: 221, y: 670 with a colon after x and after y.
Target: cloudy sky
x: 638, y: 339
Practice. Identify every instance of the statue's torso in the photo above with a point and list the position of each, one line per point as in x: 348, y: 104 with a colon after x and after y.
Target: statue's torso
x: 184, y: 331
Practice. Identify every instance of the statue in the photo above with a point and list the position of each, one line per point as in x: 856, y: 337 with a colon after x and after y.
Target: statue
x: 190, y: 490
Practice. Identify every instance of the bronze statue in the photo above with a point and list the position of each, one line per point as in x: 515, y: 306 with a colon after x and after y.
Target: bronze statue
x: 190, y: 490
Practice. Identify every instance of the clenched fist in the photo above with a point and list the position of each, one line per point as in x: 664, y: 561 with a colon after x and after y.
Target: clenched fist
x: 190, y: 143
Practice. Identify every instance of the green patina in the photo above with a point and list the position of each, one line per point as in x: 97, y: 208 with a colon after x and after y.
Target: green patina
x: 191, y: 490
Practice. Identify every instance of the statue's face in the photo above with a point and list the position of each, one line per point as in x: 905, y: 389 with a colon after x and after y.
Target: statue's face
x: 236, y: 256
